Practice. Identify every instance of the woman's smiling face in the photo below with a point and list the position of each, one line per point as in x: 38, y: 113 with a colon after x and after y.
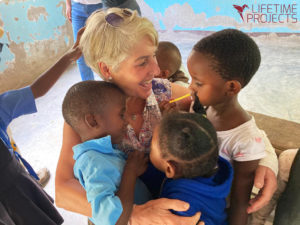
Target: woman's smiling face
x: 134, y: 75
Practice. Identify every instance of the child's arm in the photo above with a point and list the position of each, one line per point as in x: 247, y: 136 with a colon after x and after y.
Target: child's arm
x: 48, y: 79
x: 241, y: 189
x: 135, y: 166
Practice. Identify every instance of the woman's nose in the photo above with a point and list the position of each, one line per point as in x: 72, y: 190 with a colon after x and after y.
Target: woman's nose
x: 155, y: 68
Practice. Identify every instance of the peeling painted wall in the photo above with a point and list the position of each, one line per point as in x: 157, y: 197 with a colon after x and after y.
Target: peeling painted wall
x: 37, y: 32
x: 36, y: 35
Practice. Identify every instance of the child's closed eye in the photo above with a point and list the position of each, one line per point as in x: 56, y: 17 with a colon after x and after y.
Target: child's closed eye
x: 122, y: 113
x: 199, y: 84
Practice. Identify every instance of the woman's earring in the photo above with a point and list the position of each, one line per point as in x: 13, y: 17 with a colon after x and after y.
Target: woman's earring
x: 109, y: 78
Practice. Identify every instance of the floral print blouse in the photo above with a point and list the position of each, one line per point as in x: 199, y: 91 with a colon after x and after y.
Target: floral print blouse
x: 161, y: 91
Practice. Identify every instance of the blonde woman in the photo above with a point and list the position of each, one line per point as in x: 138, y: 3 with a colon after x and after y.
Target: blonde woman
x: 120, y: 46
x: 77, y: 12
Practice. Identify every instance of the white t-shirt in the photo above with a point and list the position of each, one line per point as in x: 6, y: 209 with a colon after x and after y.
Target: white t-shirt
x: 243, y: 143
x: 88, y: 2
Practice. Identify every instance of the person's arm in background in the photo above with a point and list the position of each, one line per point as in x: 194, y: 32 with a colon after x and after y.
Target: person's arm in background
x: 69, y: 10
x: 48, y: 79
x: 265, y: 177
x: 241, y: 190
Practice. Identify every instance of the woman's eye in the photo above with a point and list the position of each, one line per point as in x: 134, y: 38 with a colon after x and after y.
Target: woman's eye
x: 142, y: 64
x: 198, y: 84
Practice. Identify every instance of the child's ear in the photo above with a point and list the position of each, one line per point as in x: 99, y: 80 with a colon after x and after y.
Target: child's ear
x: 171, y: 169
x: 91, y: 121
x: 233, y: 87
x: 105, y: 70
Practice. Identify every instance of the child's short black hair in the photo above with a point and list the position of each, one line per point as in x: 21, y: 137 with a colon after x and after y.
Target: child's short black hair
x: 170, y: 55
x: 235, y: 54
x: 87, y: 97
x: 192, y: 140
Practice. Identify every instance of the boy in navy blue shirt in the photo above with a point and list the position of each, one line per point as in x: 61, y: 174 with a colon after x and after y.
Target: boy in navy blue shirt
x: 184, y: 147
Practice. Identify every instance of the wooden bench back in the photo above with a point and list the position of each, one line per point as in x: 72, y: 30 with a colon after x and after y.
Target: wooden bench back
x: 283, y: 134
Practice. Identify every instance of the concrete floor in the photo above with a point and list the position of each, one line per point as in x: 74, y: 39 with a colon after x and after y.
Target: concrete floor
x: 39, y: 135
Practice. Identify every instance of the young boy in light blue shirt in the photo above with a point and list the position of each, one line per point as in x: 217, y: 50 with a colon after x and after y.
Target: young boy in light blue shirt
x: 96, y: 111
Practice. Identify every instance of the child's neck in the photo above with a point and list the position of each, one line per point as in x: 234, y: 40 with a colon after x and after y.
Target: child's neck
x: 91, y: 137
x: 227, y: 115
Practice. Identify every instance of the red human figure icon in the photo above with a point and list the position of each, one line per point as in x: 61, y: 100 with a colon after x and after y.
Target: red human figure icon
x: 240, y: 9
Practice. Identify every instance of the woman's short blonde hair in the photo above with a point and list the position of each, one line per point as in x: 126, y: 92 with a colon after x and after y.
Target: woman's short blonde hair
x: 103, y: 42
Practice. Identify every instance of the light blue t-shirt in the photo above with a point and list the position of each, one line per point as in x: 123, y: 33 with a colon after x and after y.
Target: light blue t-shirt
x: 99, y: 169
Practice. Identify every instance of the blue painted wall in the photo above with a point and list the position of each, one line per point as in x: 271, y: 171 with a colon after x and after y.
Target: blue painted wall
x: 36, y: 34
x: 213, y: 15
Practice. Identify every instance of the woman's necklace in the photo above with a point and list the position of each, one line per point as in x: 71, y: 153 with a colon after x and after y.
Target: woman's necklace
x: 135, y: 107
x: 133, y: 117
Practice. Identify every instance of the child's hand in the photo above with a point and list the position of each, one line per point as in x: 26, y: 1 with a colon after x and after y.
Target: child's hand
x: 75, y: 52
x: 137, y: 162
x: 166, y: 107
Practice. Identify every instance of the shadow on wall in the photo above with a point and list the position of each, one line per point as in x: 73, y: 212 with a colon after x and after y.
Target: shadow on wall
x: 35, y: 35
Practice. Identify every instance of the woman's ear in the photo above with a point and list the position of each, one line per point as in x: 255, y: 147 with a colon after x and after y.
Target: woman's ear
x: 171, y: 169
x: 104, y: 70
x: 233, y: 87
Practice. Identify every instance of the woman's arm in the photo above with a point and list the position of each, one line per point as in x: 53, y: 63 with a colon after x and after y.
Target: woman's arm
x: 69, y: 194
x: 241, y: 189
x: 265, y: 177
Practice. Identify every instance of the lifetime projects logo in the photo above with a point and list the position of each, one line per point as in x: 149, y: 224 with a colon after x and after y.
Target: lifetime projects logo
x: 240, y: 9
x: 268, y: 13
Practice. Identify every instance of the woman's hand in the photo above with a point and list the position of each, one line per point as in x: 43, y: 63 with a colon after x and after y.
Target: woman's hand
x: 158, y: 212
x: 166, y: 107
x: 266, y: 181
